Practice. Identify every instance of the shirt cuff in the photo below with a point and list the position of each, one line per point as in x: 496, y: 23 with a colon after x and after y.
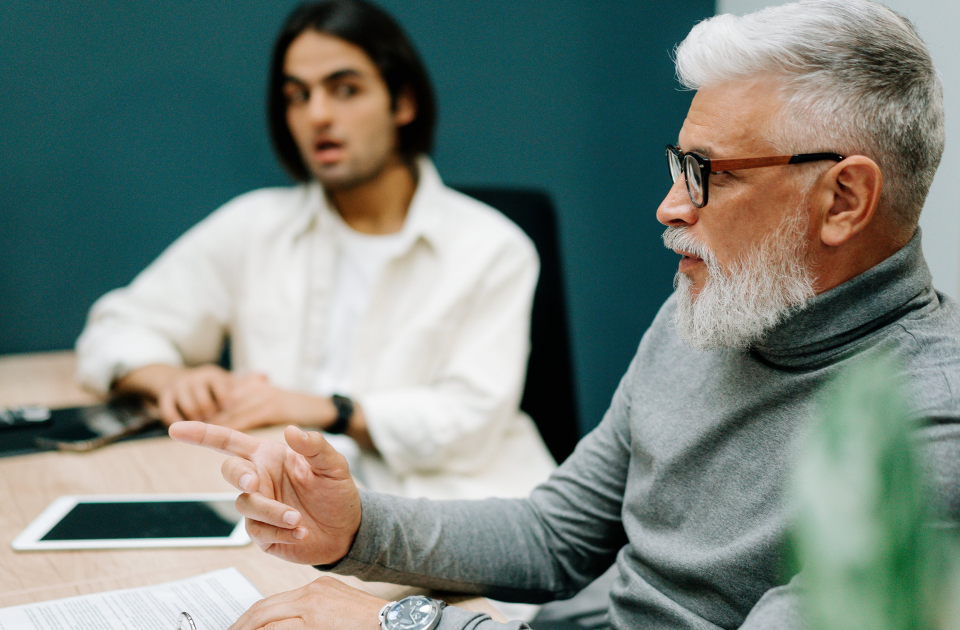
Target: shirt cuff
x: 100, y: 364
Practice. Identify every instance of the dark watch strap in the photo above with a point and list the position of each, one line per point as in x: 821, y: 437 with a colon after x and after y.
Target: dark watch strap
x: 344, y: 412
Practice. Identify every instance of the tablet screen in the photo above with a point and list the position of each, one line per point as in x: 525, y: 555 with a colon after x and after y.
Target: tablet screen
x: 161, y: 519
x: 131, y: 521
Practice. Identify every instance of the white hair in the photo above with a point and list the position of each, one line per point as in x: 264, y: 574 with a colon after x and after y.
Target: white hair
x: 856, y: 80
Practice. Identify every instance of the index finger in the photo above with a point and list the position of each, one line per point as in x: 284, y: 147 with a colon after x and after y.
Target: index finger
x: 218, y: 438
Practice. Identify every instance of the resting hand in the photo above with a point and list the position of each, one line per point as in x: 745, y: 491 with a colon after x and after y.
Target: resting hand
x: 300, y: 502
x: 255, y: 402
x: 181, y: 393
x: 324, y: 604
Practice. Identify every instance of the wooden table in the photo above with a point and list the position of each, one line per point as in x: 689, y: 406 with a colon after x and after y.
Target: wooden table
x: 28, y: 483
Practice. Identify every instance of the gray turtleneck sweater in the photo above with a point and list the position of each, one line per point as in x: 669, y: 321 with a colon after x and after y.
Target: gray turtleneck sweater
x: 683, y: 480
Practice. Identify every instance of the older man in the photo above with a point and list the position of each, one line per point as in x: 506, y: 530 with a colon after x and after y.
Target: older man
x: 799, y: 176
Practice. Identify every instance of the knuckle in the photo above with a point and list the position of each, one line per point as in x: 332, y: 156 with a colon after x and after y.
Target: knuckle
x: 244, y: 505
x: 256, y: 531
x: 259, y: 605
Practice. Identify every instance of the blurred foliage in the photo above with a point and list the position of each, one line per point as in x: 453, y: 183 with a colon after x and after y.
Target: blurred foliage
x: 870, y: 557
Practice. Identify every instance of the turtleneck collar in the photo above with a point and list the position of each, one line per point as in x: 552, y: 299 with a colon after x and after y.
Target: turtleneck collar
x: 834, y: 322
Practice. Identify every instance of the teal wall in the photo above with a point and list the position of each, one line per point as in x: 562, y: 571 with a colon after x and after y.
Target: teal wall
x: 125, y: 123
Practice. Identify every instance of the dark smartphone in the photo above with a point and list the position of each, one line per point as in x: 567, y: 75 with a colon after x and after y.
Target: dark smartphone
x: 33, y: 429
x: 20, y: 417
x: 87, y: 428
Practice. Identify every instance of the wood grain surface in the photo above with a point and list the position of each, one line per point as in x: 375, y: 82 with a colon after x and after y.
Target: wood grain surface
x: 29, y: 483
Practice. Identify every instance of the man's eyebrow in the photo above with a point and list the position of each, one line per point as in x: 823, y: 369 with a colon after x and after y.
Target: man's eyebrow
x: 346, y: 73
x: 288, y: 78
x: 706, y: 152
x: 332, y: 77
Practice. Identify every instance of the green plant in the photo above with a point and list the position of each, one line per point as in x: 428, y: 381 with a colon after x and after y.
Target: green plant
x: 870, y: 559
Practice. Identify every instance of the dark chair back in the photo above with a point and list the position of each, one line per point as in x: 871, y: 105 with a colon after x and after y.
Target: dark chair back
x: 548, y: 396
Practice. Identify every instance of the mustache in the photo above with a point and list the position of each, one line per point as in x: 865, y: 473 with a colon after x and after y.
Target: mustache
x: 679, y: 238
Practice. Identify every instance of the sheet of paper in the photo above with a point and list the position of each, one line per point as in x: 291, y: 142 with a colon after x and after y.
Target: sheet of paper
x: 215, y: 600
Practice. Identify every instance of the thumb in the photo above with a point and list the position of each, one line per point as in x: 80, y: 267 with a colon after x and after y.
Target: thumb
x: 322, y: 458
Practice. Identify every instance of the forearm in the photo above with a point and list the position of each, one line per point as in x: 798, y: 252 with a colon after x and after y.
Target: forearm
x: 149, y: 380
x: 496, y: 547
x: 109, y: 349
x: 537, y: 549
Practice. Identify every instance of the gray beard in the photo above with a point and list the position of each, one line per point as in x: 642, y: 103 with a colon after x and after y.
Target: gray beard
x: 737, y: 306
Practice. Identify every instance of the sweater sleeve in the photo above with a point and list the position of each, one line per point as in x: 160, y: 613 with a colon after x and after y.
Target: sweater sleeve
x: 453, y: 618
x: 545, y: 547
x: 778, y: 609
x: 174, y: 312
x: 455, y: 422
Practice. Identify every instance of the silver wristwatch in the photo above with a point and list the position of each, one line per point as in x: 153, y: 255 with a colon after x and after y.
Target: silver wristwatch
x: 411, y: 613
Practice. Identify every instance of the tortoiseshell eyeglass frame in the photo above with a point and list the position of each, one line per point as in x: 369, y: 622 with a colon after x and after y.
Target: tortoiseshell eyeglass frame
x: 694, y: 165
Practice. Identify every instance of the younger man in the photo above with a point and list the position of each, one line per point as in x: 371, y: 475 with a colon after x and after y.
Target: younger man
x: 369, y: 300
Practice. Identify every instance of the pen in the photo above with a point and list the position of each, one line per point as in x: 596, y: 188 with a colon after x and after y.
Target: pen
x: 190, y: 625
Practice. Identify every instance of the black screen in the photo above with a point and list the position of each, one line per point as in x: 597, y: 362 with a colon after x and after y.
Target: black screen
x: 156, y: 519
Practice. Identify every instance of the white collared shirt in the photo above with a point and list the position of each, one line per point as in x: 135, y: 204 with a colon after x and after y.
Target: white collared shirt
x: 439, y: 357
x: 361, y: 261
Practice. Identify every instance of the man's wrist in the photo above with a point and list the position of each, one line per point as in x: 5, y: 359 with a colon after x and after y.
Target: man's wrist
x: 345, y: 408
x: 149, y: 380
x: 415, y: 612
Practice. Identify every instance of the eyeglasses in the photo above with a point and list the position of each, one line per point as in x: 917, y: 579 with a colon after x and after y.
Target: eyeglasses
x: 696, y: 169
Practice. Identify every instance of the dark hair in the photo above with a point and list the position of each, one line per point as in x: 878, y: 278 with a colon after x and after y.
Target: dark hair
x: 368, y: 27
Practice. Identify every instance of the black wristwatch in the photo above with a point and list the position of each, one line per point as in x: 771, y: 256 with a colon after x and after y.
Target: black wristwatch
x: 344, y: 412
x: 411, y: 613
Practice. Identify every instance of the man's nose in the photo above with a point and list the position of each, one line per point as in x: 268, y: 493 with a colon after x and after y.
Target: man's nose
x: 319, y: 107
x: 676, y: 209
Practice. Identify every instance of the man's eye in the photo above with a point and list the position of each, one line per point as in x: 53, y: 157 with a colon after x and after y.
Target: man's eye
x: 295, y: 97
x: 344, y: 90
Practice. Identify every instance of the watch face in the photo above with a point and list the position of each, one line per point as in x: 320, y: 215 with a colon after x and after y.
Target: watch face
x: 411, y: 613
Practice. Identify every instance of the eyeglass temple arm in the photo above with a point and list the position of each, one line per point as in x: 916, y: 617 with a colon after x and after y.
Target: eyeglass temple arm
x: 815, y: 157
x: 778, y: 160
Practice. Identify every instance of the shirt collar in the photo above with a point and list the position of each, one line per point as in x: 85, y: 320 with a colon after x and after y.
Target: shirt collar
x: 423, y: 216
x: 831, y: 322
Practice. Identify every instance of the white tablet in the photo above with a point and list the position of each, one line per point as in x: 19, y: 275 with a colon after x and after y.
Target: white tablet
x: 126, y: 521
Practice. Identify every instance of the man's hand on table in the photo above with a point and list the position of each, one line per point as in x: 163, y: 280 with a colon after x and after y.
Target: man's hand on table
x: 299, y: 501
x: 208, y: 393
x: 324, y: 604
x: 255, y: 402
x: 181, y: 393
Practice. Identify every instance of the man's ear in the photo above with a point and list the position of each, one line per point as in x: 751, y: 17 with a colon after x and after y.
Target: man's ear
x: 405, y: 109
x: 853, y: 193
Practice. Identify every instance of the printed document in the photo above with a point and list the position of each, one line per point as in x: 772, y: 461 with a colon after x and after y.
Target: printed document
x: 215, y: 600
